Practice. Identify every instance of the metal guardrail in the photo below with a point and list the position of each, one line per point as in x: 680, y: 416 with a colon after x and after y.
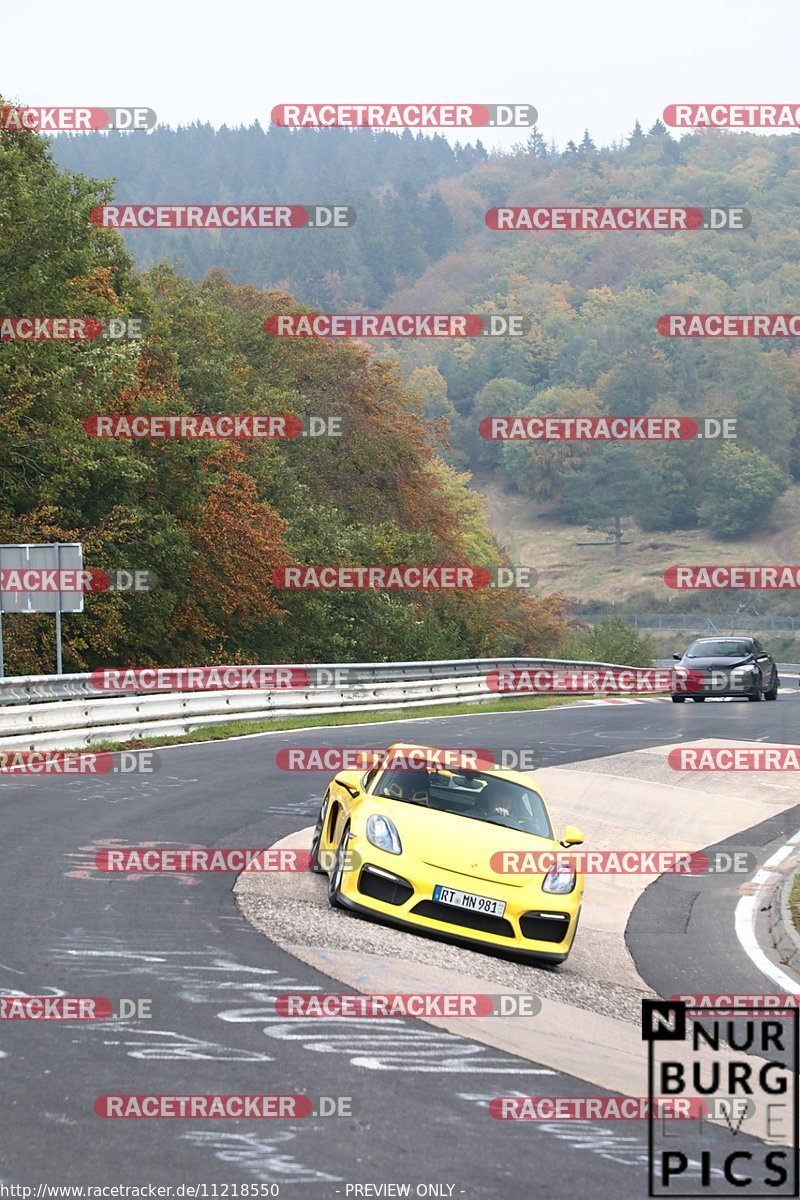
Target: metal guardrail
x: 31, y: 689
x: 47, y: 712
x: 68, y: 711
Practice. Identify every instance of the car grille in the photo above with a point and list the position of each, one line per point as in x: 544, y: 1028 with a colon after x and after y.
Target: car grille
x: 544, y: 927
x: 484, y: 922
x: 380, y: 885
x: 495, y: 880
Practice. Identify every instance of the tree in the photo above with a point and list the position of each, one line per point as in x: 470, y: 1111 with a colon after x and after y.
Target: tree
x: 546, y: 469
x: 676, y: 474
x: 741, y: 491
x: 611, y: 486
x: 536, y: 144
x: 611, y: 640
x: 587, y: 146
x: 438, y: 230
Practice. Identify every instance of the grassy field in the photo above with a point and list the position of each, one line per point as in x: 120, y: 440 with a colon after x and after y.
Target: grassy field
x: 534, y: 539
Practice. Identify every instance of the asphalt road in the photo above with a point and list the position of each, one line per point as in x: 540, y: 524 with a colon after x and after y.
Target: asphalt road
x: 419, y: 1097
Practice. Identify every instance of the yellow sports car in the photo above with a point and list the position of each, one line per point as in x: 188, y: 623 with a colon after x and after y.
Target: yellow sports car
x: 414, y: 846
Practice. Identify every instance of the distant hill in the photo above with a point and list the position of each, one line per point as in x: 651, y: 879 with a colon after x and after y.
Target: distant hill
x: 420, y: 243
x: 391, y: 180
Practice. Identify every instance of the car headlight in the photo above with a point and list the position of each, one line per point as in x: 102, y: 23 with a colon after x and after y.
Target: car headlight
x: 559, y: 880
x: 382, y: 834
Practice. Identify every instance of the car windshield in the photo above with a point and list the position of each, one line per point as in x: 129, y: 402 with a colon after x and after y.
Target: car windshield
x: 722, y: 648
x: 469, y: 794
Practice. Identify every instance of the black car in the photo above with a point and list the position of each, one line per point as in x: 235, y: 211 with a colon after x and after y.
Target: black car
x: 727, y: 666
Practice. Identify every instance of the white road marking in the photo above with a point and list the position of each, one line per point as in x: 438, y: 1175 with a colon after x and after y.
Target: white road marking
x: 746, y: 911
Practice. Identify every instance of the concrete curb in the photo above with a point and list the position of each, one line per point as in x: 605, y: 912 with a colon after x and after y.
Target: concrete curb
x: 785, y: 936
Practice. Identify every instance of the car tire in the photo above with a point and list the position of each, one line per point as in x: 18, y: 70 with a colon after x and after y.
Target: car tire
x: 756, y: 695
x: 316, y: 838
x: 772, y: 694
x: 337, y: 871
x: 678, y: 699
x: 698, y: 699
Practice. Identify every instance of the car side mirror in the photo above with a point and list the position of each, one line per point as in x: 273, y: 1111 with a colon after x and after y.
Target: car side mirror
x: 349, y: 780
x: 572, y: 836
x: 678, y: 657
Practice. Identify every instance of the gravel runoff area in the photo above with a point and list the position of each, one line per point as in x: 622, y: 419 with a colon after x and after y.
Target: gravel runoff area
x: 293, y: 911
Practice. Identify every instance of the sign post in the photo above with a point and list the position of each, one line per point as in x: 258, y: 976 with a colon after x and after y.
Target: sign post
x: 15, y: 561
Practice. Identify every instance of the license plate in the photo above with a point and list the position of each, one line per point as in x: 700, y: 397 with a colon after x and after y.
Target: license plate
x: 483, y: 904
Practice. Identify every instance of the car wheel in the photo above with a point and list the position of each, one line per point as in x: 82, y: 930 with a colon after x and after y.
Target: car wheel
x: 772, y: 694
x: 678, y: 699
x: 755, y: 695
x: 337, y: 871
x: 316, y: 838
x: 698, y: 699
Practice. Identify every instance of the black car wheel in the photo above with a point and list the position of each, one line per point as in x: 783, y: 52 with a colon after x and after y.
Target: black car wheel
x: 772, y: 694
x: 698, y: 699
x: 337, y: 870
x: 756, y: 695
x: 678, y: 699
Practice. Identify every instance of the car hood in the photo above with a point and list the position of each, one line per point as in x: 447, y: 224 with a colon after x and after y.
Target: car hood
x: 714, y: 664
x: 456, y: 843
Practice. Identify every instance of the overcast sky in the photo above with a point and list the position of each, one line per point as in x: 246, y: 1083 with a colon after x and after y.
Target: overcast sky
x: 581, y: 64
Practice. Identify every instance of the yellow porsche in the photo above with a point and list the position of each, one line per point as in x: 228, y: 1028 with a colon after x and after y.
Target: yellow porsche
x: 414, y: 846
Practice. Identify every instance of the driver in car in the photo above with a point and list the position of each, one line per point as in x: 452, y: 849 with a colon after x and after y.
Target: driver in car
x: 512, y: 807
x: 410, y: 785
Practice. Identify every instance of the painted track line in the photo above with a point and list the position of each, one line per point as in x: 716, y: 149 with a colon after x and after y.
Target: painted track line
x: 745, y: 919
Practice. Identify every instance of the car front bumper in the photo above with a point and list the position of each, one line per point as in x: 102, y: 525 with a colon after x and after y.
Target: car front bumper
x: 399, y: 889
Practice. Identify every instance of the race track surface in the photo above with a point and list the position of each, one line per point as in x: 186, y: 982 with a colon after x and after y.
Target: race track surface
x: 419, y: 1095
